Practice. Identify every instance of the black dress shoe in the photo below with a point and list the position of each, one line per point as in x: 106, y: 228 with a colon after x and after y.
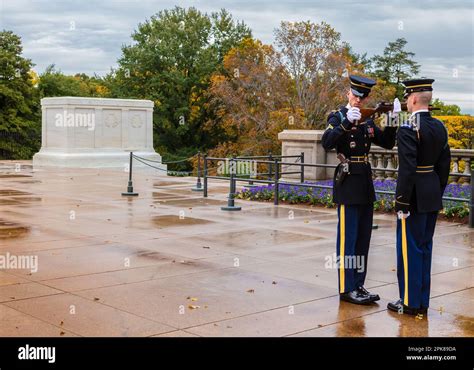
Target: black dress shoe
x: 355, y: 297
x: 398, y: 306
x: 373, y: 297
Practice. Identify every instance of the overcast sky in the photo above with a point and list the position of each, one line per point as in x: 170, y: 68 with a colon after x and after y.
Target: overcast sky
x: 441, y: 33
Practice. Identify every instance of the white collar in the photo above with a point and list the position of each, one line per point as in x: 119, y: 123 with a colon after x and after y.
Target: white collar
x: 419, y: 111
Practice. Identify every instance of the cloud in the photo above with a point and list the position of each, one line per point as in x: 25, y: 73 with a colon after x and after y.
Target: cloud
x: 87, y: 37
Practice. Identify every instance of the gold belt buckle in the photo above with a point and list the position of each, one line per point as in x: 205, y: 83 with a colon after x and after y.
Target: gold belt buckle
x: 359, y: 158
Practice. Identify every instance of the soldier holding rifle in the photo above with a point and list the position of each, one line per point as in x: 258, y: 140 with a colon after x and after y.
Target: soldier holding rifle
x: 353, y: 189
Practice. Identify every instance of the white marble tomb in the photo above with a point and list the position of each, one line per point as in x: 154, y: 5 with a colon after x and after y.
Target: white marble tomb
x: 96, y: 133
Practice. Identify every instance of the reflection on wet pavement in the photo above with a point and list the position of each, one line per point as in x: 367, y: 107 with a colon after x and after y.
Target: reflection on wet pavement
x: 174, y: 221
x: 12, y: 192
x: 9, y: 176
x: 130, y: 263
x: 196, y: 202
x: 11, y: 230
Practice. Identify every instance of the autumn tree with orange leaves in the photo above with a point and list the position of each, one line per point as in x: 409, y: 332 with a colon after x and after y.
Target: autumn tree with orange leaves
x: 262, y: 91
x: 254, y: 99
x: 318, y: 62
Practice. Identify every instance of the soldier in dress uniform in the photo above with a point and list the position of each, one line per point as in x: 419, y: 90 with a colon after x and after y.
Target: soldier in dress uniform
x: 424, y: 162
x: 353, y: 189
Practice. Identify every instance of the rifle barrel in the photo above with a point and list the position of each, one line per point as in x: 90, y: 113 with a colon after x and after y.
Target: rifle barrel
x: 384, y: 108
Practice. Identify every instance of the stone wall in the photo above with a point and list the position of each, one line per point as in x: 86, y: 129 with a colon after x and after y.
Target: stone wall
x: 382, y: 160
x: 309, y: 142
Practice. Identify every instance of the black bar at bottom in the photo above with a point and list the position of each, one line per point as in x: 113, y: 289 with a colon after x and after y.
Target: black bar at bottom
x: 138, y: 353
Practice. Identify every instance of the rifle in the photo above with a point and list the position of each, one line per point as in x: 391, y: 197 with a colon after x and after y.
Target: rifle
x: 383, y: 107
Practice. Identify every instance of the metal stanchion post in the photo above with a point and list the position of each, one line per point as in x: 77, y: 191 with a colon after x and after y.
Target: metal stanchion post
x: 471, y: 205
x: 302, y: 167
x: 276, y: 193
x: 205, y: 177
x: 198, y: 183
x: 130, y: 191
x: 230, y: 199
x: 270, y: 172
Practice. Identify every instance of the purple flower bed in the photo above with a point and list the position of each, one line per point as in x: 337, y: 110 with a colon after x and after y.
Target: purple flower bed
x: 294, y: 194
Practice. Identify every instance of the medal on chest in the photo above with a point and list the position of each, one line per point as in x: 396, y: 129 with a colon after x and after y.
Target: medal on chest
x: 370, y: 131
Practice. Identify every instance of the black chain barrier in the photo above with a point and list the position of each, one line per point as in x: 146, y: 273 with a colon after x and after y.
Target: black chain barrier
x: 274, y: 178
x: 275, y: 167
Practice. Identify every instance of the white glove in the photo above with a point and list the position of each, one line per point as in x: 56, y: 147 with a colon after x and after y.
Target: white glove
x: 397, y: 107
x: 353, y: 114
x: 402, y: 215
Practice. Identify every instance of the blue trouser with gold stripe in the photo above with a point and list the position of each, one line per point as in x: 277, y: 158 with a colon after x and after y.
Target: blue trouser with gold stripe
x: 353, y: 238
x: 414, y: 246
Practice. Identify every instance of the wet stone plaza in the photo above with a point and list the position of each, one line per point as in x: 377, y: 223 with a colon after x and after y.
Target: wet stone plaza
x: 79, y: 259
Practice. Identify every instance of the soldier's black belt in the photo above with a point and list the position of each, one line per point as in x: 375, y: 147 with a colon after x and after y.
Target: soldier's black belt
x: 359, y: 159
x: 424, y: 169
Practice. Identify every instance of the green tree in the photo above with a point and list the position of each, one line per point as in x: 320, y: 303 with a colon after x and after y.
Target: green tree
x: 171, y: 61
x: 446, y: 109
x: 54, y: 83
x: 359, y: 62
x: 20, y: 125
x: 395, y: 65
